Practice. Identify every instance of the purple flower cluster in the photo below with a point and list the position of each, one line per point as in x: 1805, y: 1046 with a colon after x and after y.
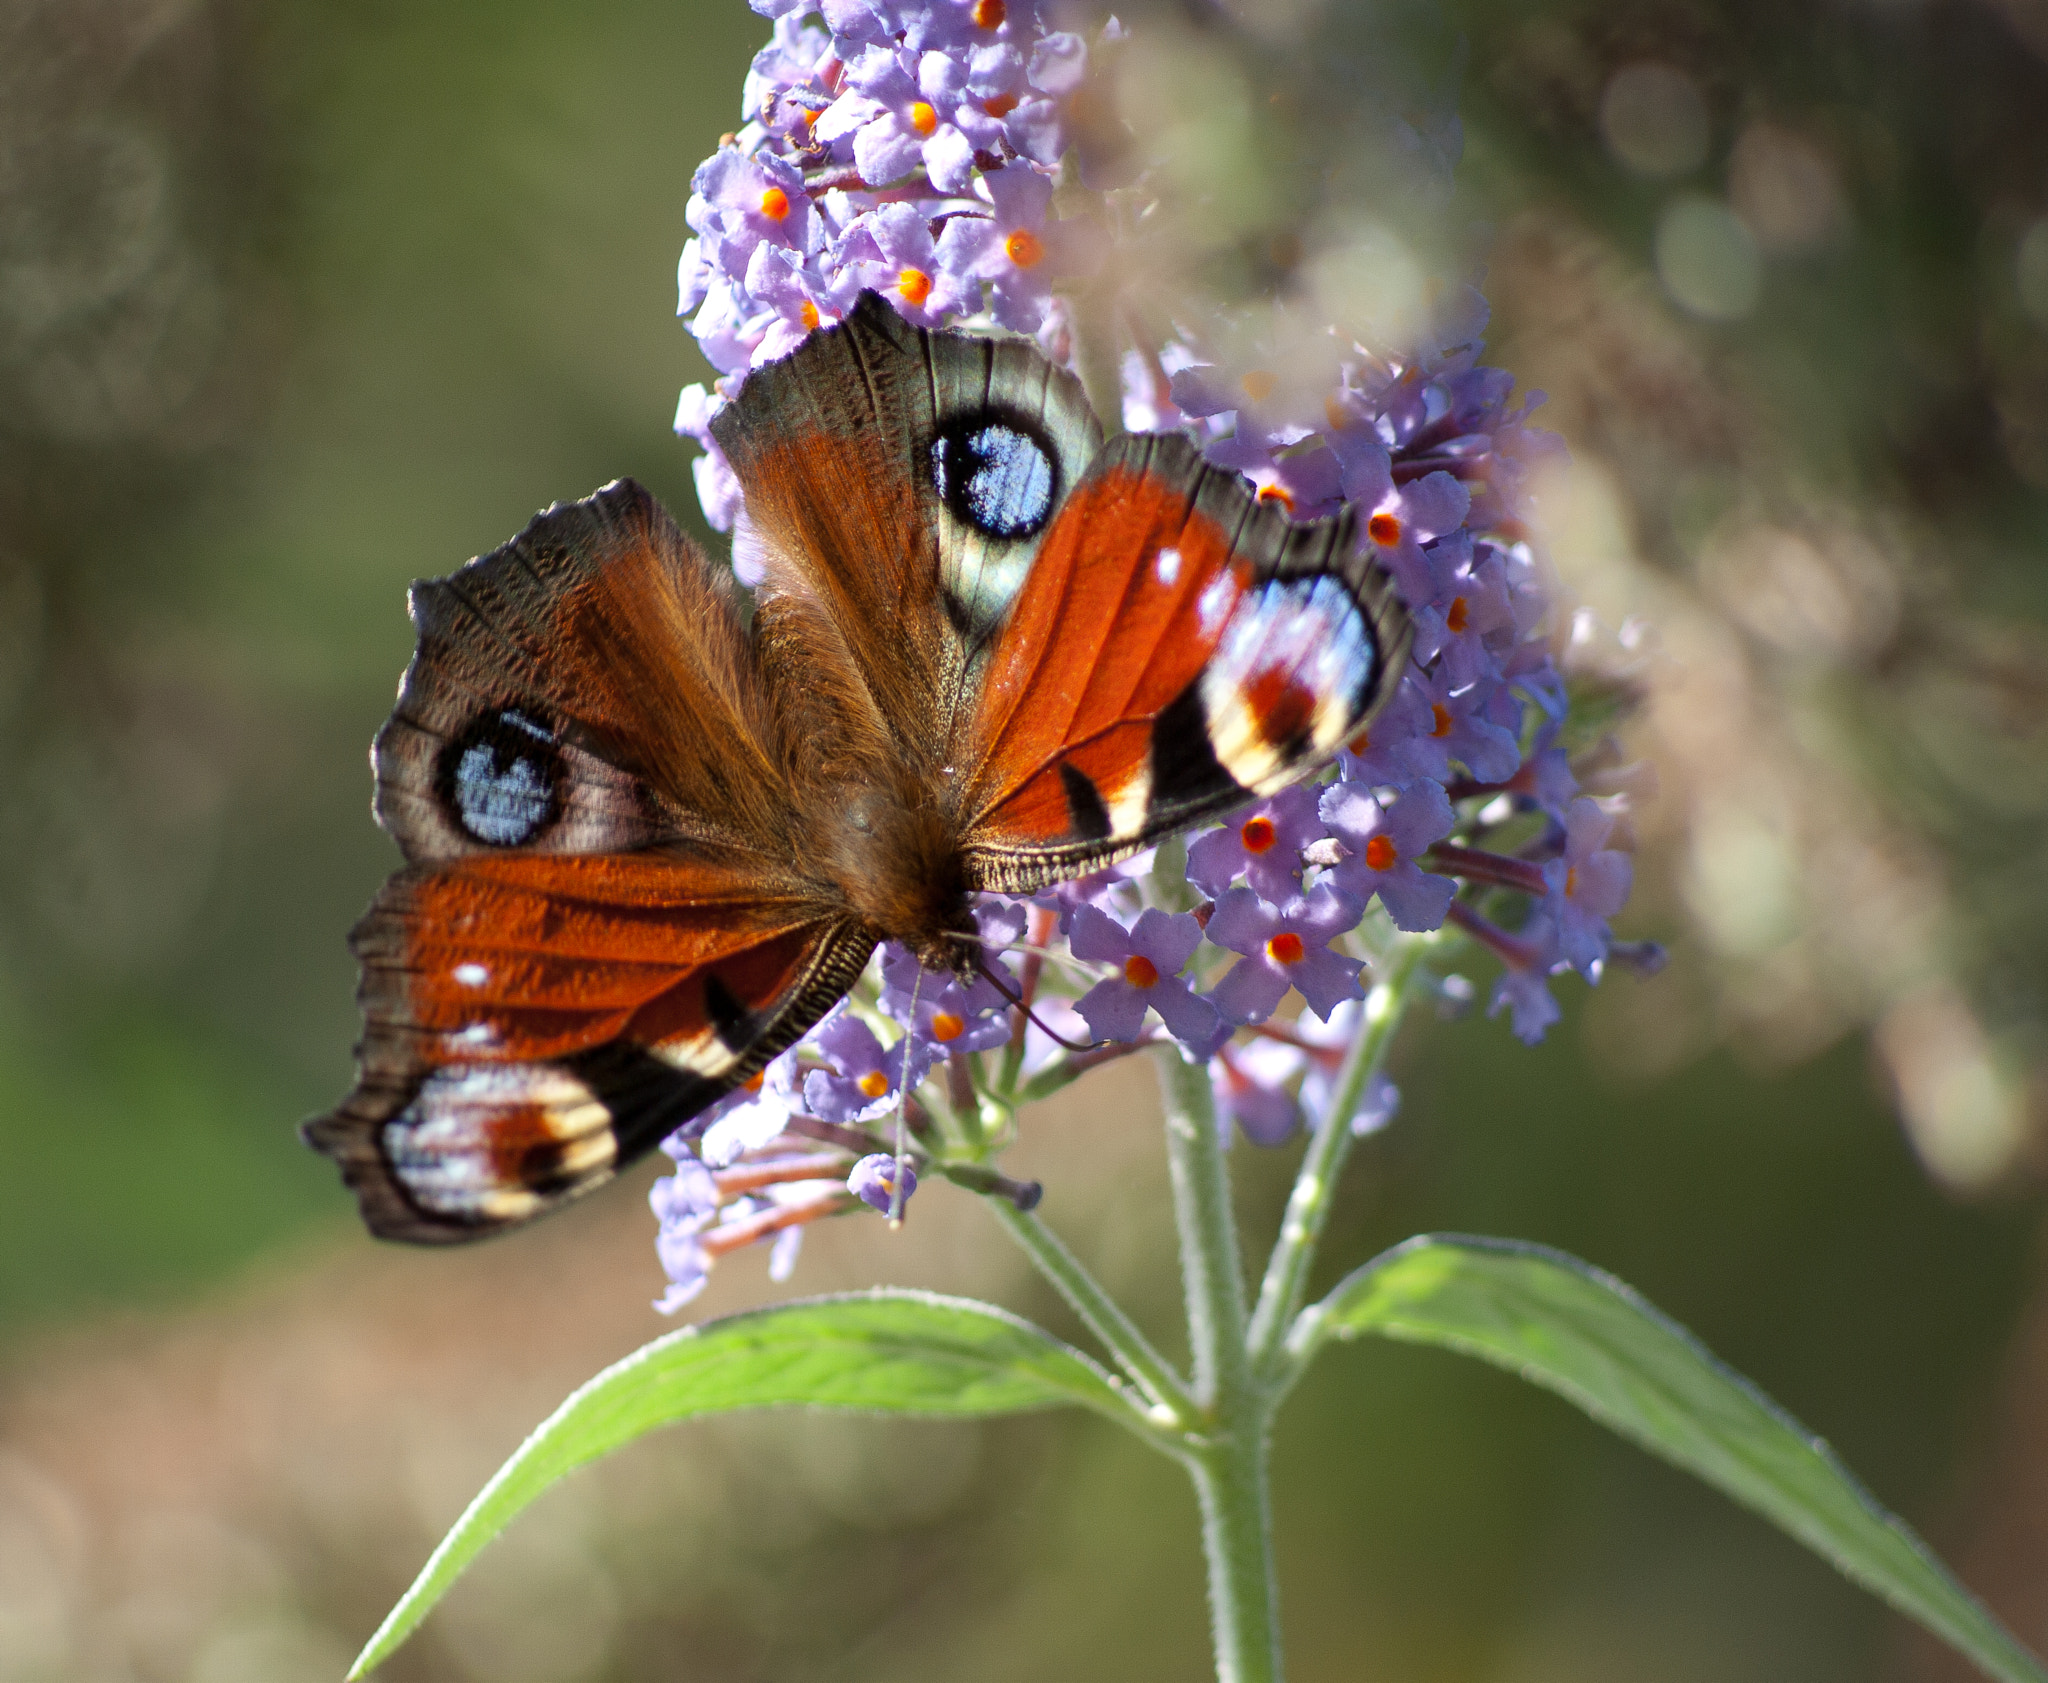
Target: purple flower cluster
x: 911, y: 148
x: 901, y: 146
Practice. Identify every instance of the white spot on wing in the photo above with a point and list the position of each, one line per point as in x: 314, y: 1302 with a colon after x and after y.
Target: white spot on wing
x: 699, y: 1054
x: 1166, y: 566
x: 1127, y: 806
x: 1217, y: 599
x: 472, y: 975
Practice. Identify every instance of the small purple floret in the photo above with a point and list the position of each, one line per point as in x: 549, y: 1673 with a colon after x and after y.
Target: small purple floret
x: 878, y: 1178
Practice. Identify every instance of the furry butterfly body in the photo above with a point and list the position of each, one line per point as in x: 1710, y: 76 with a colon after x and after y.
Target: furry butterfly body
x: 654, y: 829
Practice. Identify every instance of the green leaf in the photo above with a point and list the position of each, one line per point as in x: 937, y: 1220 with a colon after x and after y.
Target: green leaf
x: 881, y: 1352
x: 1583, y: 1334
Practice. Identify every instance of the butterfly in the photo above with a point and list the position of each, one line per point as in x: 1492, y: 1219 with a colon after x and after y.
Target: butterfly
x: 655, y: 826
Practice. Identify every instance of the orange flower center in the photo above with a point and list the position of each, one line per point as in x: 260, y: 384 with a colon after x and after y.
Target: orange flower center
x: 1443, y: 719
x: 915, y: 285
x: 809, y: 313
x: 1285, y: 948
x: 1362, y: 742
x: 1258, y: 385
x: 923, y: 118
x: 1381, y: 854
x: 946, y: 1026
x: 1571, y: 881
x: 999, y: 106
x: 753, y: 1082
x: 775, y: 204
x: 1460, y: 615
x: 1024, y: 248
x: 1276, y: 494
x: 989, y: 14
x: 1258, y: 834
x: 1336, y: 414
x: 873, y: 1084
x: 1384, y: 530
x: 1140, y: 971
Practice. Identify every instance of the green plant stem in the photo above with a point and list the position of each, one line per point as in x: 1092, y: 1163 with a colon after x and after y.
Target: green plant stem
x: 1232, y: 1489
x: 1285, y: 1286
x: 1150, y: 1371
x: 1228, y: 1460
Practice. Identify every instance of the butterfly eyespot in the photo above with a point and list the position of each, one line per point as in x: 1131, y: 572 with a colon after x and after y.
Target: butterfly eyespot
x: 994, y: 475
x: 501, y: 779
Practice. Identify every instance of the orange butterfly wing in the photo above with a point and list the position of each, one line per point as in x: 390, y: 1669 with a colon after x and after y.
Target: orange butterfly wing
x: 600, y: 932
x: 1177, y: 647
x: 882, y: 586
x: 534, y: 1022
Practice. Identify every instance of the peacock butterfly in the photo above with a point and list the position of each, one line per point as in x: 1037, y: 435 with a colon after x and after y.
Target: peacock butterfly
x: 654, y: 827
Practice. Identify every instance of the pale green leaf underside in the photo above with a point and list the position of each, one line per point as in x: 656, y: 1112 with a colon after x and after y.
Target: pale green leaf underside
x: 882, y: 1352
x: 1583, y: 1334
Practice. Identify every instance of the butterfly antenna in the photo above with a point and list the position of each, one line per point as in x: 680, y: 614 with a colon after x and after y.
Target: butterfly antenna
x: 1001, y: 984
x: 903, y: 1103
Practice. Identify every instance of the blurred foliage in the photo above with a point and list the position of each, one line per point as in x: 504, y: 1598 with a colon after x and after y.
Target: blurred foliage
x: 298, y: 302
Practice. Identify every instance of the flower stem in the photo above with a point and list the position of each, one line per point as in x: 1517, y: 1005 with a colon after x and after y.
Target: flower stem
x: 1308, y: 1207
x: 1233, y: 1490
x: 1228, y: 1461
x: 1104, y: 1317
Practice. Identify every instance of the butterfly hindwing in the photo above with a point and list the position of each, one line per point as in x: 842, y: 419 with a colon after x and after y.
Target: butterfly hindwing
x: 1178, y: 646
x: 588, y: 687
x: 897, y: 485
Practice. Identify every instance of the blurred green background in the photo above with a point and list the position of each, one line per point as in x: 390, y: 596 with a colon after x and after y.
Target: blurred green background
x: 299, y: 302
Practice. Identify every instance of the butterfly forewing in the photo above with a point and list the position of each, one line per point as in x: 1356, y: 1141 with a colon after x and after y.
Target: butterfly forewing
x: 1177, y: 648
x: 534, y: 1022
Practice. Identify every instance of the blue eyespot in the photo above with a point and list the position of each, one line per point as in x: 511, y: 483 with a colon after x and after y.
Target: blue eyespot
x: 995, y: 475
x: 502, y: 778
